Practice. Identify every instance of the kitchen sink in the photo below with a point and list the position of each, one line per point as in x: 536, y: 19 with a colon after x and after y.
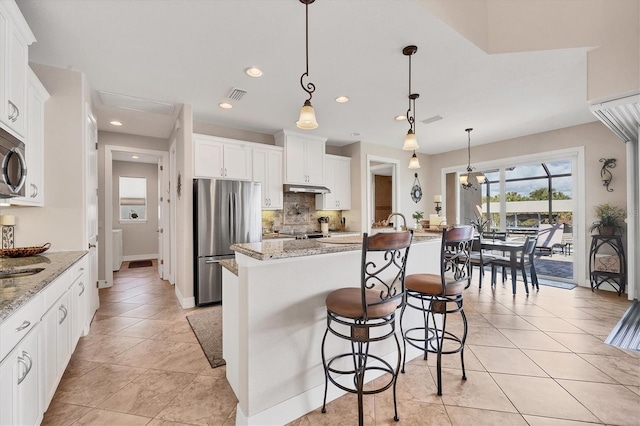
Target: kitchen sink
x: 18, y: 273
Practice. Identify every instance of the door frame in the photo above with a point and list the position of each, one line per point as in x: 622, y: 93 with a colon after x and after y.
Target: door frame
x: 163, y: 183
x: 369, y: 211
x: 577, y: 156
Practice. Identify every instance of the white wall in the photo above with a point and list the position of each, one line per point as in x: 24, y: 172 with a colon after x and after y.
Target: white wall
x: 140, y: 239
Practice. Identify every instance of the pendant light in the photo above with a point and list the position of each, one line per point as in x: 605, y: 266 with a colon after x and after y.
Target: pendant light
x: 410, y: 141
x: 471, y: 180
x: 307, y: 120
x: 414, y: 163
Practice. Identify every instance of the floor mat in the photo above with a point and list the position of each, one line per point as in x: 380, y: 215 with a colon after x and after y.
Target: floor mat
x: 140, y: 263
x: 626, y: 334
x: 207, y: 327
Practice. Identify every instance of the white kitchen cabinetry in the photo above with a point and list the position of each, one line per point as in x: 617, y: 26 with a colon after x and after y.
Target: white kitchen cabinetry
x: 221, y: 158
x: 337, y: 177
x: 34, y: 145
x: 303, y: 157
x: 20, y: 401
x: 56, y: 329
x: 267, y: 169
x: 15, y: 38
x: 78, y: 299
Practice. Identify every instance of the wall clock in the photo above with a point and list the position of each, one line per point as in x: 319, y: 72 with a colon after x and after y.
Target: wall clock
x: 416, y: 191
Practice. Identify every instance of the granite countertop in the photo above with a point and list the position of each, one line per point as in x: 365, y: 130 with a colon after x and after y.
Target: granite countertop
x: 274, y: 249
x: 15, y: 292
x: 231, y: 265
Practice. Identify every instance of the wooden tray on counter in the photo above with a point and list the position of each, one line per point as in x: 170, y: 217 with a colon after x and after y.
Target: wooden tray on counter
x: 24, y: 251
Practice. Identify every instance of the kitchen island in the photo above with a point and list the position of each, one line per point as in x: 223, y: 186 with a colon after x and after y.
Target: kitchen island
x: 274, y: 318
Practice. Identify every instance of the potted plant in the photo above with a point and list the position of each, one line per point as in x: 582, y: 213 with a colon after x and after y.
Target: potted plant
x: 610, y: 219
x: 418, y: 216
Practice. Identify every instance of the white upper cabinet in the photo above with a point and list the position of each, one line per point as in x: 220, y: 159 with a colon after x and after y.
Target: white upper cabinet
x: 34, y: 146
x: 221, y: 158
x: 267, y: 169
x: 337, y: 177
x: 304, y: 157
x: 15, y: 38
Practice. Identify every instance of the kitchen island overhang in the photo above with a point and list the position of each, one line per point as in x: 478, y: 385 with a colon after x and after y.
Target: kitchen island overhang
x: 274, y: 318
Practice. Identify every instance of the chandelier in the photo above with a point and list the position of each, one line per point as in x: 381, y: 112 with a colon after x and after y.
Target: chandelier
x: 307, y: 120
x: 410, y: 141
x: 471, y: 180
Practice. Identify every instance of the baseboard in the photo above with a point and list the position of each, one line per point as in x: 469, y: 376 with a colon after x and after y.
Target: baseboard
x: 140, y: 257
x: 185, y: 302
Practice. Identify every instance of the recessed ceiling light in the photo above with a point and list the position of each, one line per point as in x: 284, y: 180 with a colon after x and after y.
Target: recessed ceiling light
x: 116, y: 123
x: 355, y: 134
x: 225, y: 105
x: 342, y: 99
x: 135, y: 157
x: 401, y: 117
x: 253, y: 72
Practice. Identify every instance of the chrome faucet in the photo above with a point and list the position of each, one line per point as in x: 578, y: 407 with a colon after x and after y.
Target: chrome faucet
x: 404, y: 219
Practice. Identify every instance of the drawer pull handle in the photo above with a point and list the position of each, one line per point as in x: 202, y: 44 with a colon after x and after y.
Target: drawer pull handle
x: 82, y: 286
x: 24, y: 325
x: 27, y: 367
x: 65, y: 312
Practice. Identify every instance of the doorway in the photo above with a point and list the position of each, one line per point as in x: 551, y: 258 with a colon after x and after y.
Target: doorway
x: 151, y: 158
x: 382, y: 190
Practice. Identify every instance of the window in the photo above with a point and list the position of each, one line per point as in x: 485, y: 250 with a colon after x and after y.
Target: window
x: 133, y: 199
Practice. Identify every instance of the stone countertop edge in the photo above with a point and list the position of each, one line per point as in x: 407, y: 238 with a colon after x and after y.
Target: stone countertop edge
x: 25, y: 288
x: 230, y: 265
x: 271, y: 250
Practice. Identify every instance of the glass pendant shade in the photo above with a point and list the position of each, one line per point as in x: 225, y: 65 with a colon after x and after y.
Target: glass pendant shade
x: 410, y: 142
x: 414, y: 163
x: 481, y: 178
x: 307, y: 120
x: 464, y: 179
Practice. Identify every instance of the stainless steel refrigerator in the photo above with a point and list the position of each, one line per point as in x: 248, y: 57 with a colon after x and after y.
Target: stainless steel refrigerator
x: 225, y: 212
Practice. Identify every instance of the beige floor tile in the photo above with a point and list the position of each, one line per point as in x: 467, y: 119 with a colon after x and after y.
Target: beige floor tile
x: 148, y: 354
x: 107, y: 349
x: 415, y: 384
x: 528, y: 339
x: 462, y: 416
x: 97, y: 385
x: 542, y: 397
x: 626, y: 370
x: 145, y: 298
x: 411, y: 413
x: 146, y: 328
x: 491, y: 308
x: 78, y: 367
x: 478, y: 391
x: 62, y: 414
x: 570, y: 366
x: 487, y: 336
x: 149, y: 393
x: 552, y: 324
x: 471, y: 362
x: 188, y: 359
x: 160, y: 422
x: 115, y: 309
x: 114, y: 296
x: 341, y: 411
x: 111, y: 325
x: 569, y: 312
x: 110, y: 418
x: 530, y: 310
x: 622, y: 407
x: 592, y: 326
x: 508, y: 321
x: 507, y: 360
x: 548, y: 421
x: 584, y: 344
x: 143, y: 311
x: 634, y: 389
x: 195, y: 404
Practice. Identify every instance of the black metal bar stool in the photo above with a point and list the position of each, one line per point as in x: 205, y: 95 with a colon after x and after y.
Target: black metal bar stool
x: 433, y: 293
x: 366, y: 314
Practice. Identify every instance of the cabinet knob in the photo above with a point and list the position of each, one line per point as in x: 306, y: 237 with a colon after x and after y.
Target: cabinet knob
x: 92, y: 246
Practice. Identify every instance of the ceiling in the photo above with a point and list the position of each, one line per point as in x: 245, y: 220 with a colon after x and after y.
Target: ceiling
x: 195, y: 52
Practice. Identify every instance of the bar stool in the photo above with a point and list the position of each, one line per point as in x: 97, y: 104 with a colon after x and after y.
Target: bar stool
x: 432, y: 293
x: 366, y: 314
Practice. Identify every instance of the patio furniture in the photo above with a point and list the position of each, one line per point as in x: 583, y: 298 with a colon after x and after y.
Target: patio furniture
x: 550, y: 238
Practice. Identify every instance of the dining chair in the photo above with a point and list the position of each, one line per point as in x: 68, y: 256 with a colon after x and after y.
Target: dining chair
x: 480, y: 259
x: 525, y: 261
x: 365, y: 315
x: 434, y: 293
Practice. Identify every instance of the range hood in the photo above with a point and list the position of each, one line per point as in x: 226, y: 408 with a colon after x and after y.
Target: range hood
x: 306, y: 188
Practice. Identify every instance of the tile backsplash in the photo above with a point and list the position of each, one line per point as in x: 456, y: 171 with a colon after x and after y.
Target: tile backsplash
x: 299, y: 215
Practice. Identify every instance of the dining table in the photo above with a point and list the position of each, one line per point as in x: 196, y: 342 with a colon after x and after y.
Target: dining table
x: 511, y: 246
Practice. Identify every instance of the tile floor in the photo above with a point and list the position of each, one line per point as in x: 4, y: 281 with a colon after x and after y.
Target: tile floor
x: 536, y: 360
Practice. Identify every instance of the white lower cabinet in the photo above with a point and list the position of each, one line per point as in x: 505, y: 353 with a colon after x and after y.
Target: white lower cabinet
x: 56, y: 327
x: 20, y: 399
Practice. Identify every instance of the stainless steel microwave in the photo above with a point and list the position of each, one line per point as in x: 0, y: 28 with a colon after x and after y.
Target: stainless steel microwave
x: 14, y: 168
